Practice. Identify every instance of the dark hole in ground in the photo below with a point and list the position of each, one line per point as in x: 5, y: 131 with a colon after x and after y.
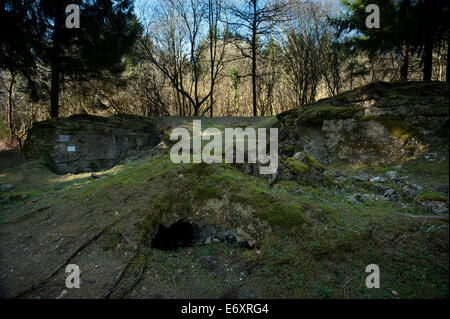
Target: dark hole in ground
x: 185, y: 234
x: 180, y: 234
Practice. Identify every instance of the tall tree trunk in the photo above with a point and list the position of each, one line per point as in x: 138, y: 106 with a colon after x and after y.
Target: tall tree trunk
x: 211, y: 106
x: 448, y: 58
x: 254, y: 26
x: 428, y: 59
x: 56, y: 63
x: 405, y: 8
x: 255, y: 111
x: 10, y: 102
x: 404, y: 62
x: 212, y: 36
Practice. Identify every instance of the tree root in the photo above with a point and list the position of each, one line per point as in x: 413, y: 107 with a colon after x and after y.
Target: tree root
x: 26, y: 216
x: 129, y: 241
x: 66, y: 261
x: 138, y: 279
x: 119, y: 277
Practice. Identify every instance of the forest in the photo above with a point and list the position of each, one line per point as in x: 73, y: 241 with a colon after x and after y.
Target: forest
x: 206, y: 57
x: 314, y: 141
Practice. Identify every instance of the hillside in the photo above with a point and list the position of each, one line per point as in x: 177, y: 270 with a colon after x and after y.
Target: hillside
x: 362, y: 179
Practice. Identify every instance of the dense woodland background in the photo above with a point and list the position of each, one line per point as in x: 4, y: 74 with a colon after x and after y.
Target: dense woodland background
x: 206, y: 57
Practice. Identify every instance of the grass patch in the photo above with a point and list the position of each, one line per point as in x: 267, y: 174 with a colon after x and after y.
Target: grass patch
x: 426, y: 195
x: 318, y: 246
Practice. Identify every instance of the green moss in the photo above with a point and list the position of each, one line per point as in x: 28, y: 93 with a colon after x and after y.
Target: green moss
x: 14, y: 196
x: 317, y: 114
x: 318, y: 240
x: 111, y: 240
x: 428, y: 173
x: 327, y: 181
x: 419, y: 87
x: 395, y: 125
x: 314, y: 163
x: 425, y: 196
x: 72, y: 129
x: 147, y: 228
x: 298, y: 167
x: 206, y: 189
x: 287, y: 149
x: 289, y: 215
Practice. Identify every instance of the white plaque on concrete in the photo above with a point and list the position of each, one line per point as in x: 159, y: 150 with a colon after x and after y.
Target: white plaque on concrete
x: 63, y: 138
x: 71, y: 149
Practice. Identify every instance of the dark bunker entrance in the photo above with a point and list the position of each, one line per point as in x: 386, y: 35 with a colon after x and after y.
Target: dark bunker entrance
x: 185, y: 234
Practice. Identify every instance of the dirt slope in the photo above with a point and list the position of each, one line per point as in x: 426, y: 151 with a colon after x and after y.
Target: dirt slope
x: 317, y: 243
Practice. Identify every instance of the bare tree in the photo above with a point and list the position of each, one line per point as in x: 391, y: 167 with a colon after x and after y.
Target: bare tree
x: 176, y: 44
x: 305, y: 37
x: 22, y: 110
x: 255, y: 19
x: 216, y: 57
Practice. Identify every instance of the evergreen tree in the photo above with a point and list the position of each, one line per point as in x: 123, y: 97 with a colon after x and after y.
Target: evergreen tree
x: 21, y: 34
x: 405, y: 25
x: 430, y: 30
x: 108, y: 30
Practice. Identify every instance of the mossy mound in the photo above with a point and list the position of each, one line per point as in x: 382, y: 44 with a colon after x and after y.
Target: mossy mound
x: 316, y: 115
x: 83, y: 143
x: 308, y: 238
x: 377, y: 123
x: 305, y: 169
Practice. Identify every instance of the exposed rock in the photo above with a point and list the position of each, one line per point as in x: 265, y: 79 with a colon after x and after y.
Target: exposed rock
x: 219, y: 219
x: 381, y: 123
x: 443, y: 189
x: 434, y: 207
x: 305, y: 169
x: 392, y: 175
x: 392, y: 195
x: 83, y: 143
x: 182, y: 234
x: 341, y: 179
x: 299, y: 156
x: 6, y: 187
x: 4, y: 199
x: 353, y: 198
x: 377, y: 179
x: 373, y: 197
x: 338, y: 173
x: 410, y: 191
x: 378, y: 188
x: 361, y: 178
x: 369, y: 197
x: 271, y: 178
